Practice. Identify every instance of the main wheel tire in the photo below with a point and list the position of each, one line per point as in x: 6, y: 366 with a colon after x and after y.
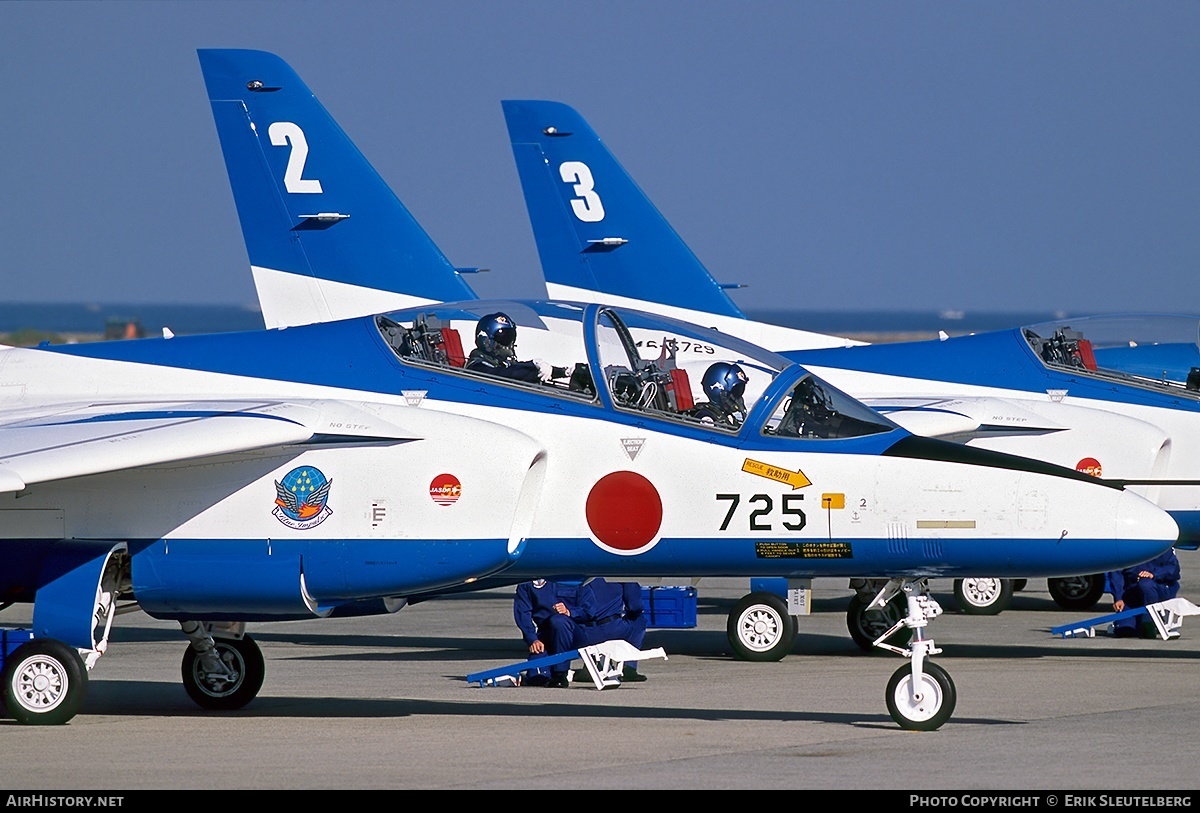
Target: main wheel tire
x: 934, y: 705
x: 1077, y: 592
x: 45, y: 682
x: 215, y: 692
x: 1019, y: 585
x: 983, y: 596
x: 760, y: 629
x: 867, y: 625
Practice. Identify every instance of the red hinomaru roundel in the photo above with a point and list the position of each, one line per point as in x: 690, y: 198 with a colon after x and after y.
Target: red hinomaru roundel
x: 624, y: 511
x: 445, y: 489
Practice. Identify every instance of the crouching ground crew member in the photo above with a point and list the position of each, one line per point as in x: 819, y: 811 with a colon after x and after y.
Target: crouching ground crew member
x: 1137, y: 586
x: 546, y: 612
x: 610, y: 611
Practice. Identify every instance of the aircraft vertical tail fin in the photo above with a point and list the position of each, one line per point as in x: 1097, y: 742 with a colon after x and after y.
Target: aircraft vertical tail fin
x: 601, y: 239
x: 597, y: 232
x: 326, y: 236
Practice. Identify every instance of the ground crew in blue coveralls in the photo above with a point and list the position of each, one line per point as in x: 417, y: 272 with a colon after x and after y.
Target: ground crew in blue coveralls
x: 546, y: 612
x: 610, y: 611
x: 1137, y: 586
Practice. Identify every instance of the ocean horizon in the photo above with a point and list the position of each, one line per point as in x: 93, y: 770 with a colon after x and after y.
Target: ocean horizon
x: 92, y: 318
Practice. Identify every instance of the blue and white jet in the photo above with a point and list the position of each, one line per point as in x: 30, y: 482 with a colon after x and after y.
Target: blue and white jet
x: 1048, y: 391
x: 252, y: 93
x: 332, y: 264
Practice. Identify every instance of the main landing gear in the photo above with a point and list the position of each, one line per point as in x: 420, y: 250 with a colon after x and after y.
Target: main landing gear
x: 920, y: 695
x: 759, y: 627
x: 221, y: 673
x: 978, y: 596
x: 1077, y: 592
x: 44, y: 679
x: 992, y: 596
x: 44, y: 682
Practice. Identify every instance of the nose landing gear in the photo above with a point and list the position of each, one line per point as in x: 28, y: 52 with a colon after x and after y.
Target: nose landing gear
x: 920, y: 696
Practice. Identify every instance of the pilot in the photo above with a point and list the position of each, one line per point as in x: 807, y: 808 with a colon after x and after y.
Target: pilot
x: 724, y: 383
x: 546, y: 613
x: 1148, y: 583
x: 811, y: 413
x: 495, y: 353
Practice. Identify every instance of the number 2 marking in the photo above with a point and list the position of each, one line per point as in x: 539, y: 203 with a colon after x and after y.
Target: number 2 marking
x: 283, y: 134
x: 587, y: 206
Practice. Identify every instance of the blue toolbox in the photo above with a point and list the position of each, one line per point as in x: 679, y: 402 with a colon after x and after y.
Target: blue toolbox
x: 670, y: 607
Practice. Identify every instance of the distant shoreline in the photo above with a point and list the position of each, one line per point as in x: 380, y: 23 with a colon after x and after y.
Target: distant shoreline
x: 81, y: 322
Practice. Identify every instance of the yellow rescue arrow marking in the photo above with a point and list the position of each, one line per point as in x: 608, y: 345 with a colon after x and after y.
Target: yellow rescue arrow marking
x: 795, y: 479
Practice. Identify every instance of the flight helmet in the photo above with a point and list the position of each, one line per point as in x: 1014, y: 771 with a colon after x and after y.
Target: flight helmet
x: 496, y: 335
x: 724, y: 384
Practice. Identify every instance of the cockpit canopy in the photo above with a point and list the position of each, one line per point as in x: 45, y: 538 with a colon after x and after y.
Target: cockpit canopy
x: 1158, y: 351
x: 631, y: 361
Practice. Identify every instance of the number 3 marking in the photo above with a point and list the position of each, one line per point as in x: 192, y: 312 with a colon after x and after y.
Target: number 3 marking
x: 587, y: 205
x: 282, y: 134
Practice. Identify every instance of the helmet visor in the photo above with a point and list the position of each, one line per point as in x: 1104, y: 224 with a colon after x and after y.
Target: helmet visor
x: 505, y: 336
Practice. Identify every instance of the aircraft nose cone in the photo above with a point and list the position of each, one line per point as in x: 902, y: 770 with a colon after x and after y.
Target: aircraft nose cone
x: 1147, y: 529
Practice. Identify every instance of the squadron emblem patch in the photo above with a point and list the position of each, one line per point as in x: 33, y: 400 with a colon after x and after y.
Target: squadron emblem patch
x: 300, y: 498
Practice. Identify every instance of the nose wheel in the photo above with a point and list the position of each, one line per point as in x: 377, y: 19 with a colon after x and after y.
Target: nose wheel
x: 924, y: 702
x: 920, y: 695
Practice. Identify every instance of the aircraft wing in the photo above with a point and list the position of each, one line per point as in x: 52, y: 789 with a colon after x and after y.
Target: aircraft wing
x: 72, y: 441
x: 964, y: 418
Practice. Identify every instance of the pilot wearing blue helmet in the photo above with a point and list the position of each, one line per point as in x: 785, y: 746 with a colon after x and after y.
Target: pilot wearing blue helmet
x: 724, y: 383
x: 495, y: 353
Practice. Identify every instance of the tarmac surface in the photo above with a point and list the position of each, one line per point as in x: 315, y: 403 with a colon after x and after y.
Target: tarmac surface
x: 383, y: 703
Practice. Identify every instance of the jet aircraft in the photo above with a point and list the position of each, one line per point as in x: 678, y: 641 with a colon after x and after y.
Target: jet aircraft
x: 1047, y: 391
x: 349, y: 276
x: 332, y: 264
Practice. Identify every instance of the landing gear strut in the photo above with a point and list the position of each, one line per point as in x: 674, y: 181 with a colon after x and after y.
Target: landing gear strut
x: 920, y: 696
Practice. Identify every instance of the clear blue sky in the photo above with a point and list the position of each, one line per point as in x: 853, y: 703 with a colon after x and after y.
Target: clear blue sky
x: 832, y: 155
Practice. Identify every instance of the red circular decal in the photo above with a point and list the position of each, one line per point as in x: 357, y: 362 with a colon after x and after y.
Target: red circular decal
x: 1090, y: 465
x: 445, y: 489
x: 624, y: 510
